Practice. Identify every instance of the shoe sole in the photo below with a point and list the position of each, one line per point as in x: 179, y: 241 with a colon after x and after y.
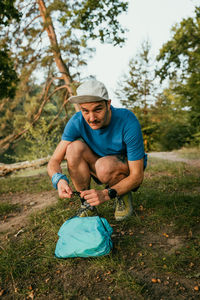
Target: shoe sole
x: 124, y: 217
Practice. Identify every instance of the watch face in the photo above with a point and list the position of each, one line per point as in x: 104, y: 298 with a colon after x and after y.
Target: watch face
x: 112, y: 193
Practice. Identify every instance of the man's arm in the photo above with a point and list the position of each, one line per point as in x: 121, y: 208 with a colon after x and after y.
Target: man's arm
x: 132, y: 181
x: 54, y: 166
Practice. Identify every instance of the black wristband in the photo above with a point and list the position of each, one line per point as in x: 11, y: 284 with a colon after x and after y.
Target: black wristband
x: 112, y: 193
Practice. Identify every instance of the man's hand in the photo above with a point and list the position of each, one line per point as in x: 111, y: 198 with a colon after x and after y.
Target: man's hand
x: 64, y: 190
x: 95, y: 197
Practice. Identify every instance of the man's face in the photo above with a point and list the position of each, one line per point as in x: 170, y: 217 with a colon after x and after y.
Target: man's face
x: 96, y: 114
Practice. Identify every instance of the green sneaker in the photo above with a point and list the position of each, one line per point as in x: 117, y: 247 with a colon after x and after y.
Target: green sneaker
x: 87, y: 211
x: 124, y: 208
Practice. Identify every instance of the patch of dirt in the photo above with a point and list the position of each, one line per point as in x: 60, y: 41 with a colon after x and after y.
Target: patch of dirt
x: 174, y: 157
x: 28, y: 203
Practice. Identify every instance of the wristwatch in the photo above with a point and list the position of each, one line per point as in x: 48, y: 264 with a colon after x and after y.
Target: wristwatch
x: 112, y: 193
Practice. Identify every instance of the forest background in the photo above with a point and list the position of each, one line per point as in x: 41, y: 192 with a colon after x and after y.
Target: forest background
x: 50, y: 40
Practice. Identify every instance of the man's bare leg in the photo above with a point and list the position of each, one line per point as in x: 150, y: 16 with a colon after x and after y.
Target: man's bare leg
x: 81, y: 162
x: 111, y: 169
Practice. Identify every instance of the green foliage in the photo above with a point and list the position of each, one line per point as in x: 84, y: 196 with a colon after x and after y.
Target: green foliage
x: 8, y: 12
x: 175, y: 135
x: 165, y: 117
x: 172, y: 122
x: 136, y: 86
x: 180, y: 59
x: 8, y: 76
x: 38, y: 142
x: 138, y: 91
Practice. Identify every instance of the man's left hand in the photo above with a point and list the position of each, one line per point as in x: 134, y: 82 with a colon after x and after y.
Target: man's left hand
x: 95, y: 197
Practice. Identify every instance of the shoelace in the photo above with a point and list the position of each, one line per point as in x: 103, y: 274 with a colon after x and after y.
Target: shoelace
x: 121, y: 204
x: 85, y: 209
x: 84, y: 203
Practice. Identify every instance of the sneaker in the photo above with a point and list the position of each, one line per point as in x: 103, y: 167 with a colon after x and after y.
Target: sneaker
x: 87, y: 211
x: 124, y: 207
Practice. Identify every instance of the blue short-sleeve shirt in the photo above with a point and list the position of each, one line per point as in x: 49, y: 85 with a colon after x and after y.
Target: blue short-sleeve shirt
x: 122, y: 136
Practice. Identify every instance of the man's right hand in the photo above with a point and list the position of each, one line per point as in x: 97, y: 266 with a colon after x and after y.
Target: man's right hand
x: 64, y: 190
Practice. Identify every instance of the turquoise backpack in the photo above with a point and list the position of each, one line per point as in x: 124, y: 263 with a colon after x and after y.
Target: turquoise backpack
x: 84, y: 237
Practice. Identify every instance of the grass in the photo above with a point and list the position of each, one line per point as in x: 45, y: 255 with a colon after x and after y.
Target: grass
x: 160, y: 241
x: 189, y: 153
x: 25, y: 184
x: 6, y: 208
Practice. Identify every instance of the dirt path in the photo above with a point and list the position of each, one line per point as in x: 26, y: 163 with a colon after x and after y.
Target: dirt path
x: 28, y: 204
x: 174, y: 157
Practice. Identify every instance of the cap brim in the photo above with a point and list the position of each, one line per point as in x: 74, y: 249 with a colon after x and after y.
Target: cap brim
x: 85, y: 99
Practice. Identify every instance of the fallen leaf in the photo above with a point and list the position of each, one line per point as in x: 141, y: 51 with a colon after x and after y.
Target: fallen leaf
x: 1, y: 292
x: 190, y: 234
x: 164, y: 266
x: 191, y: 265
x: 31, y: 295
x: 166, y: 235
x: 141, y: 208
x: 158, y: 280
x: 107, y: 273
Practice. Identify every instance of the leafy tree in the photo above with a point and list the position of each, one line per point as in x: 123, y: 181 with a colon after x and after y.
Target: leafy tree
x: 136, y: 86
x: 137, y: 90
x: 172, y: 128
x: 52, y: 42
x: 8, y: 76
x: 8, y: 12
x: 180, y: 60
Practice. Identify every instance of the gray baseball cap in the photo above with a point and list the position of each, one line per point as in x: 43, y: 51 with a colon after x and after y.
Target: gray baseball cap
x: 90, y: 91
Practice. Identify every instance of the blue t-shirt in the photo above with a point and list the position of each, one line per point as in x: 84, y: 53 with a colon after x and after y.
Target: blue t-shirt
x: 122, y: 136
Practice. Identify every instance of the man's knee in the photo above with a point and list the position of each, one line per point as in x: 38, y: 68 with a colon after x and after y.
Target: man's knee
x: 104, y: 169
x: 75, y: 150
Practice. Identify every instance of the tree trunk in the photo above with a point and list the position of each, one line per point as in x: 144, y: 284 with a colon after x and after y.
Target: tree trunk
x: 48, y: 26
x: 9, y: 168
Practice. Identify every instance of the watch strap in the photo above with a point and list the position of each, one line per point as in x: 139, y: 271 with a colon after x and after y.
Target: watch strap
x: 112, y: 193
